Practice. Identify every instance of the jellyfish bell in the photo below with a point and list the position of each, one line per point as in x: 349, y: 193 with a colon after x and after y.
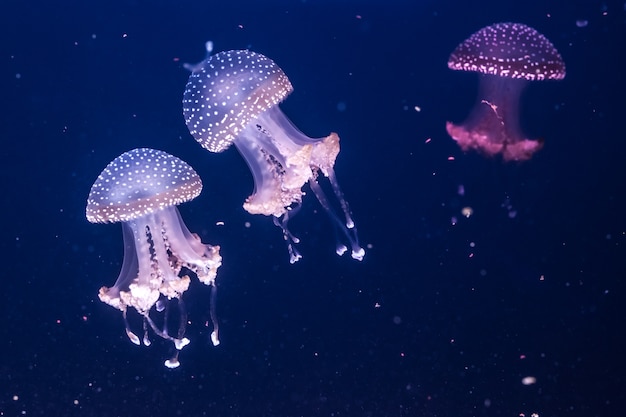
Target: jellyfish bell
x: 232, y: 97
x: 507, y: 56
x: 141, y: 189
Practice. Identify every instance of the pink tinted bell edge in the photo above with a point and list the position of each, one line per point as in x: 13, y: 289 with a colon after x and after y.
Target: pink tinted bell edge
x: 507, y: 56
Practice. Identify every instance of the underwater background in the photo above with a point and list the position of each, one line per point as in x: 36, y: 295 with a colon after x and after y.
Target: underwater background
x: 518, y: 308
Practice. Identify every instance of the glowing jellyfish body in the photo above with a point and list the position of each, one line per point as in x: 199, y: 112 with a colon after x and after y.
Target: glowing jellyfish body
x: 141, y: 189
x: 507, y: 56
x: 233, y: 97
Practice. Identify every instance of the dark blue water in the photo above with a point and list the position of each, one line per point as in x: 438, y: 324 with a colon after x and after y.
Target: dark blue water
x: 443, y: 317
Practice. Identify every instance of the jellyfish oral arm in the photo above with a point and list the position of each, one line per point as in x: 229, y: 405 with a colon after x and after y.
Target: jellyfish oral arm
x: 286, y: 133
x: 277, y: 182
x: 282, y: 159
x: 272, y: 194
x: 493, y: 125
x: 153, y: 277
x: 499, y: 104
x: 158, y: 246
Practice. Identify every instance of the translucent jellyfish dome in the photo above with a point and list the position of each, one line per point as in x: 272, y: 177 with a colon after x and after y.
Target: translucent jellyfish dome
x: 141, y: 189
x: 232, y: 97
x: 507, y: 56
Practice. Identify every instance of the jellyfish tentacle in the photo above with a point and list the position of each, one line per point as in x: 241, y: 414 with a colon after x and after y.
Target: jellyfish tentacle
x: 342, y: 200
x: 182, y: 326
x: 350, y: 233
x: 213, y: 313
x: 173, y: 361
x: 178, y: 343
x: 166, y: 319
x: 290, y: 239
x: 357, y: 250
x: 132, y: 336
x: 146, y: 337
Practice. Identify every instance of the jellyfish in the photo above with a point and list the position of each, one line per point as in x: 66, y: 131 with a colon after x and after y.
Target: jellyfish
x: 507, y: 56
x: 141, y: 189
x: 232, y: 97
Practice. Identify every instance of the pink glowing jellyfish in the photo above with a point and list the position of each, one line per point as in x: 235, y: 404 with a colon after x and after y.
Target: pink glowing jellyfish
x: 507, y: 56
x: 232, y: 97
x: 141, y: 189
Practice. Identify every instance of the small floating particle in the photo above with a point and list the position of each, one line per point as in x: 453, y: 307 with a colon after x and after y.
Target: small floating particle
x: 467, y: 212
